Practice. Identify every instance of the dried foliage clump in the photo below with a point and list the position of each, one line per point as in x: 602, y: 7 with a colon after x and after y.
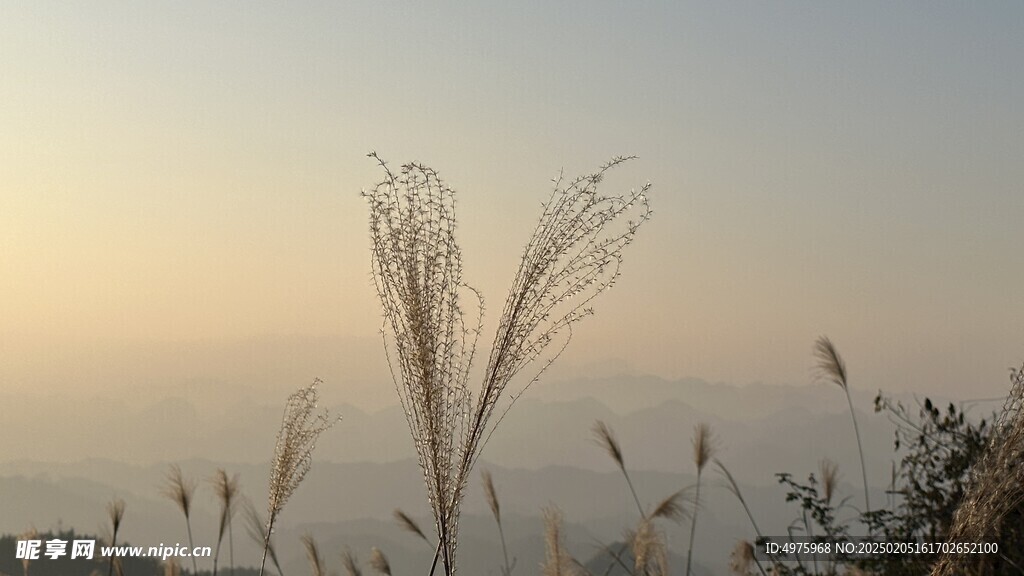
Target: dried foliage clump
x: 574, y: 254
x: 996, y: 489
x: 742, y: 558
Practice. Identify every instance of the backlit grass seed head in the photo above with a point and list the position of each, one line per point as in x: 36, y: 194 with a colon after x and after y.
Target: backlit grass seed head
x: 650, y: 555
x: 557, y: 561
x: 301, y: 426
x: 573, y: 255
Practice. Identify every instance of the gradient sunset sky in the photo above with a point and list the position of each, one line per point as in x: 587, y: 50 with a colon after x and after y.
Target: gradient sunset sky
x: 179, y: 179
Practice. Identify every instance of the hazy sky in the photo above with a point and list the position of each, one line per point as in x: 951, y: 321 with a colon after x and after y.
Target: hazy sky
x: 179, y: 179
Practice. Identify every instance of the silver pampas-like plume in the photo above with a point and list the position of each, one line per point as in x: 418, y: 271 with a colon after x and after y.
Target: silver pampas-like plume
x: 573, y: 255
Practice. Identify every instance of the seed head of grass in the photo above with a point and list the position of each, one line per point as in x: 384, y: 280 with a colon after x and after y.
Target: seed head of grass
x: 227, y: 491
x: 351, y: 563
x: 316, y: 561
x: 605, y: 438
x: 574, y: 254
x: 492, y: 495
x: 829, y: 472
x: 301, y: 426
x: 672, y: 508
x: 556, y: 560
x: 650, y: 556
x: 180, y: 489
x: 830, y: 365
x: 115, y: 511
x: 408, y: 524
x: 379, y: 562
x: 704, y: 445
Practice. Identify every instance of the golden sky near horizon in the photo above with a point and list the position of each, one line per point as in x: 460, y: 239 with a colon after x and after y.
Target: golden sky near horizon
x: 187, y: 175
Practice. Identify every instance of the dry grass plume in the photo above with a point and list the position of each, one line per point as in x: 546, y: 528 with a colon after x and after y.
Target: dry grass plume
x: 573, y: 255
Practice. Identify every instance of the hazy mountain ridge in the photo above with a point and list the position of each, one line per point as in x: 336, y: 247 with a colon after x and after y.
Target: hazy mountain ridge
x: 364, y: 468
x: 550, y: 425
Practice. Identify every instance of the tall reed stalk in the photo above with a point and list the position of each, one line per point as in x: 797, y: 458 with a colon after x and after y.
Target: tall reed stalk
x: 573, y: 255
x: 605, y: 438
x: 115, y: 511
x: 316, y: 560
x: 735, y: 489
x: 832, y: 368
x: 492, y: 502
x: 181, y: 490
x: 227, y: 490
x: 703, y: 451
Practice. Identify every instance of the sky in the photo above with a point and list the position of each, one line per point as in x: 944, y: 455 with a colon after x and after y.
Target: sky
x: 179, y: 183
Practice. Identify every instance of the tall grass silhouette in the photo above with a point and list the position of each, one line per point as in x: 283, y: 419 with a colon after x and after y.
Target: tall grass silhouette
x: 605, y: 438
x: 115, y: 511
x: 181, y: 491
x: 703, y: 452
x: 227, y: 493
x: 495, y: 505
x: 646, y: 543
x: 573, y: 254
x: 313, y: 555
x: 832, y: 368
